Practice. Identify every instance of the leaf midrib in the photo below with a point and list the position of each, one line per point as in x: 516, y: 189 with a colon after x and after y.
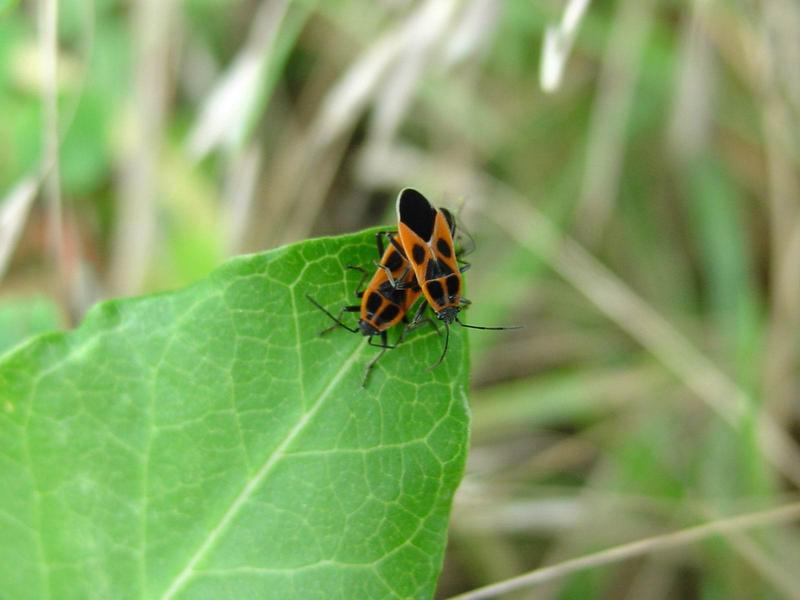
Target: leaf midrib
x: 243, y: 496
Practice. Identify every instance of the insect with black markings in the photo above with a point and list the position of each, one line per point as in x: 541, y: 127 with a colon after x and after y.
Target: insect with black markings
x: 426, y: 236
x: 385, y: 301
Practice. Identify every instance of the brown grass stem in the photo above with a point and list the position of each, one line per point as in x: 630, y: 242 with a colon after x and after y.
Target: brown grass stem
x: 658, y: 543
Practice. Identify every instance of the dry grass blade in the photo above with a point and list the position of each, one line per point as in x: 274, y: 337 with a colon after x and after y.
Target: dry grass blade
x: 13, y: 214
x: 557, y: 44
x: 783, y: 514
x: 239, y: 192
x: 136, y: 220
x: 388, y: 62
x: 777, y: 574
x: 321, y: 149
x: 783, y: 189
x: 395, y: 97
x: 534, y: 231
x: 607, y: 139
x: 346, y: 100
x: 472, y: 32
x: 692, y: 109
x: 48, y: 42
x: 349, y: 96
x: 224, y: 117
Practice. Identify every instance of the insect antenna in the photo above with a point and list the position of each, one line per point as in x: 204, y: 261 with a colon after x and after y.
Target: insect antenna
x: 444, y: 351
x: 334, y: 319
x: 466, y: 241
x: 488, y: 328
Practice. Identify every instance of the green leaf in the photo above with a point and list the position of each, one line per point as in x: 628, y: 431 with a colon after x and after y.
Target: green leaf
x: 208, y: 443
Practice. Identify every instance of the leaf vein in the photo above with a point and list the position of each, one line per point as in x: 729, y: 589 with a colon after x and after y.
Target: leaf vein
x: 249, y: 489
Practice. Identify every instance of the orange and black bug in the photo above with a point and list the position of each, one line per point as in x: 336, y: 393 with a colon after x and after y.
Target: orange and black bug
x: 389, y: 295
x: 426, y: 236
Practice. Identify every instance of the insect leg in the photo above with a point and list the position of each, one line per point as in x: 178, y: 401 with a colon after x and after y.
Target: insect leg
x: 384, y: 342
x: 444, y: 350
x: 418, y: 320
x: 336, y: 320
x: 384, y: 346
x: 397, y: 283
x: 379, y: 241
x: 338, y: 323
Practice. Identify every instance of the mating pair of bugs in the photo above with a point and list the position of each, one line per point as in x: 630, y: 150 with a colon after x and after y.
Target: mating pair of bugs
x: 420, y: 259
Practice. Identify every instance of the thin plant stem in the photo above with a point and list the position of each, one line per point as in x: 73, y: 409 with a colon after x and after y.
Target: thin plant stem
x: 658, y: 543
x: 48, y: 44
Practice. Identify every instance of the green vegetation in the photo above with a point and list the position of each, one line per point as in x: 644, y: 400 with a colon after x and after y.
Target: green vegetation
x: 641, y: 221
x: 208, y: 442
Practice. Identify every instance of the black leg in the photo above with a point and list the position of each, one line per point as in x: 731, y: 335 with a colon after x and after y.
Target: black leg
x: 444, y: 350
x: 338, y: 323
x: 379, y: 243
x: 418, y: 314
x: 384, y: 346
x: 418, y: 321
x: 384, y: 342
x: 337, y: 320
x: 464, y: 266
x: 389, y: 235
x: 427, y: 321
x: 334, y: 326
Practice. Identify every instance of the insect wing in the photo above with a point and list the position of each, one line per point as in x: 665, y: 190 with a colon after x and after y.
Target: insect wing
x: 416, y: 220
x: 442, y: 242
x: 389, y: 293
x: 416, y: 213
x: 426, y: 236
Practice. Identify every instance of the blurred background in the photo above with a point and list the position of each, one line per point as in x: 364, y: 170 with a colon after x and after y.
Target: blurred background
x: 628, y: 169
